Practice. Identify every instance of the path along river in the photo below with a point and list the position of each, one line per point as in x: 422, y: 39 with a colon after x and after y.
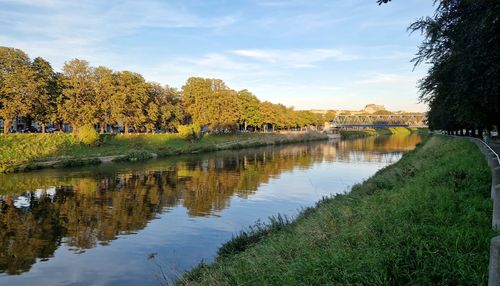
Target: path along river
x: 101, y: 225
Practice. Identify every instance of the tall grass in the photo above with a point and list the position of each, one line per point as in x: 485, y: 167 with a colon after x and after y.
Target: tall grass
x: 423, y: 221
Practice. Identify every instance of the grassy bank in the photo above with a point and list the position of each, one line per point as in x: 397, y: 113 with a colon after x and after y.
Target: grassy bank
x: 348, y: 134
x: 422, y: 221
x: 20, y: 152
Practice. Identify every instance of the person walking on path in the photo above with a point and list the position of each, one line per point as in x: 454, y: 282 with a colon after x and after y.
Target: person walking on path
x: 485, y: 137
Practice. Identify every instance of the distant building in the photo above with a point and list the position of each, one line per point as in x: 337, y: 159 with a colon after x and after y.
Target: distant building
x: 369, y: 109
x: 372, y: 108
x: 319, y: 111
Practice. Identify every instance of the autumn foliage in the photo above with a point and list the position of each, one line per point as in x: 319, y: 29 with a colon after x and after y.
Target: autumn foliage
x: 123, y: 101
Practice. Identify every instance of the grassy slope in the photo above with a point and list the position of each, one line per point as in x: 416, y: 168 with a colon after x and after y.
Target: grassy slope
x: 378, y: 131
x: 24, y: 149
x: 423, y: 221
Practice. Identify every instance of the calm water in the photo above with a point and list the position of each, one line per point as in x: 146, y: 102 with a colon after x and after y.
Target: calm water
x: 99, y: 225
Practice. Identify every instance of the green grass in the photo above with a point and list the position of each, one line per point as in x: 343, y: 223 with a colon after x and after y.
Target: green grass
x: 422, y: 221
x: 20, y: 152
x: 399, y: 131
x: 350, y: 134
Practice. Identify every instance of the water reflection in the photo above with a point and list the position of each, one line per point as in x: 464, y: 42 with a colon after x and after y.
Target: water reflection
x: 87, y: 207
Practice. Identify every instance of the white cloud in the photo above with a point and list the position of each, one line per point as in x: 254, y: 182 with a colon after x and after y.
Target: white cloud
x: 61, y: 30
x: 295, y: 58
x: 389, y: 78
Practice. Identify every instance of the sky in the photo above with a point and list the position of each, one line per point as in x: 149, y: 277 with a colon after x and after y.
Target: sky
x: 310, y: 54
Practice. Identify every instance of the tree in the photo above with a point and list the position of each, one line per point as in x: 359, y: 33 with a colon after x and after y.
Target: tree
x: 223, y: 109
x: 44, y: 104
x: 330, y: 115
x: 152, y: 115
x: 269, y: 114
x: 382, y: 112
x: 210, y: 102
x: 169, y: 112
x: 196, y: 94
x: 461, y: 42
x: 304, y: 118
x: 104, y: 84
x: 130, y: 100
x: 18, y: 85
x: 84, y: 96
x: 249, y: 109
x: 79, y: 101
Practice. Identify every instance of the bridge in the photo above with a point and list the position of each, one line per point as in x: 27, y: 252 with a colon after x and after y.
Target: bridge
x: 376, y: 120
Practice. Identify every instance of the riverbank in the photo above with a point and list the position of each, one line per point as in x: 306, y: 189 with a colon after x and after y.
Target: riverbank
x: 349, y: 134
x: 23, y: 152
x: 425, y: 220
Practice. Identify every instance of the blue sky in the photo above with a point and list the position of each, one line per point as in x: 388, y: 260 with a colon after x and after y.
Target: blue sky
x: 324, y: 54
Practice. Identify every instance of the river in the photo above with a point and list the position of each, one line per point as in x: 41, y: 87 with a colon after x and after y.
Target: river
x: 124, y: 223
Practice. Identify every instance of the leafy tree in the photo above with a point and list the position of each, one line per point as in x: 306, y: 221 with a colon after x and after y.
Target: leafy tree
x: 210, y: 102
x: 382, y: 112
x: 79, y: 100
x: 196, y: 93
x: 18, y: 85
x: 269, y: 114
x: 152, y: 115
x: 104, y: 84
x: 330, y: 115
x: 319, y: 119
x: 223, y: 109
x: 129, y: 101
x: 168, y: 113
x: 84, y: 96
x: 44, y: 103
x: 462, y: 86
x: 303, y: 118
x: 248, y: 109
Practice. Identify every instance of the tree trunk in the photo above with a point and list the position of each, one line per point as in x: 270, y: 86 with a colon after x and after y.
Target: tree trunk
x: 6, y: 125
x: 273, y: 128
x: 43, y: 127
x: 126, y: 129
x: 101, y: 127
x: 246, y: 126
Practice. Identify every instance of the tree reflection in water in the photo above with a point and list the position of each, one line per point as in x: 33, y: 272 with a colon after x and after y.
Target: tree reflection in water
x: 84, y: 209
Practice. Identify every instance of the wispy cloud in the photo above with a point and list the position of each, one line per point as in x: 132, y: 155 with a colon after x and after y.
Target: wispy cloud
x: 304, y: 53
x: 62, y: 29
x: 298, y: 58
x: 384, y: 78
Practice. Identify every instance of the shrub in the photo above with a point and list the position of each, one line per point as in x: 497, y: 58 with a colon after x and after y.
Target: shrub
x: 88, y: 135
x: 191, y: 132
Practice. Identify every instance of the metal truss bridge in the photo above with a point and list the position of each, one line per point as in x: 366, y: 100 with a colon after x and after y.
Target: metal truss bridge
x: 373, y: 120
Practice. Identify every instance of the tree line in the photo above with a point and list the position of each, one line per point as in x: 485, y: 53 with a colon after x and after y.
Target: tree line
x: 462, y: 45
x: 82, y: 95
